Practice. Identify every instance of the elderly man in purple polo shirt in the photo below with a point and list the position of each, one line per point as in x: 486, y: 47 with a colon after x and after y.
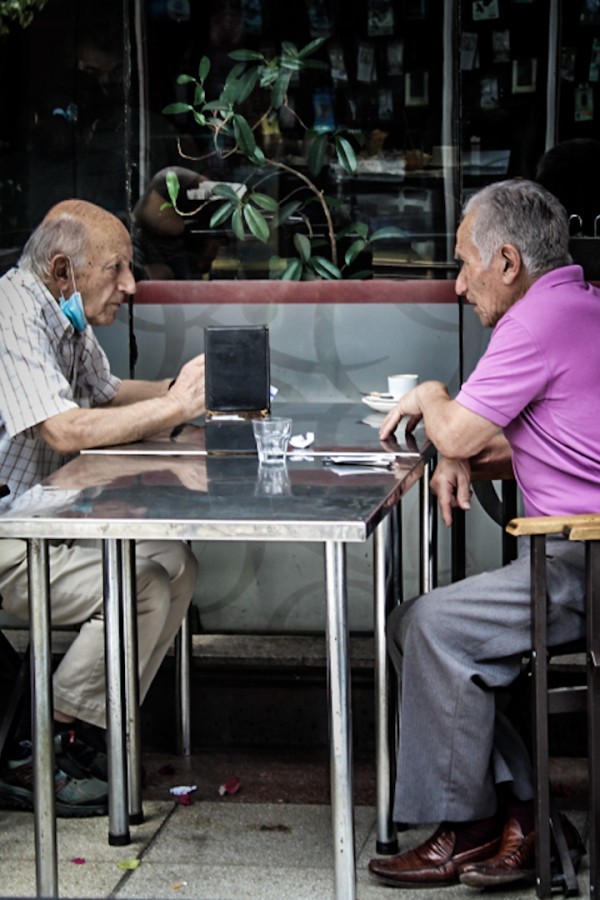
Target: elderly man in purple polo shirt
x: 532, y: 405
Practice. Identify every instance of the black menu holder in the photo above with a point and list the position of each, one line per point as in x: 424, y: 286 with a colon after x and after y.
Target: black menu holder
x: 238, y: 384
x: 237, y: 370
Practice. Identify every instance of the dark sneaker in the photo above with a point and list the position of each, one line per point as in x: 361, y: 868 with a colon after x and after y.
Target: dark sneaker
x: 82, y: 753
x: 77, y: 793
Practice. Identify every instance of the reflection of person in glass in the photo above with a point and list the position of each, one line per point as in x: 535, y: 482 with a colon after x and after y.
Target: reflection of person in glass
x: 83, y: 144
x: 170, y: 244
x: 59, y: 397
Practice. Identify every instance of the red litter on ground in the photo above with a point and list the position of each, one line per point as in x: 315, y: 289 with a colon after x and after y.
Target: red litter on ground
x: 230, y: 787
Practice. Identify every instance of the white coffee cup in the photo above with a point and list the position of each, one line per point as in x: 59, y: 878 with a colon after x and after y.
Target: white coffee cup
x: 398, y: 385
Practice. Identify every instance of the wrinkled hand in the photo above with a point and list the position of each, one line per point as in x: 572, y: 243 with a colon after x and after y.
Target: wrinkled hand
x: 188, y: 389
x: 451, y: 483
x: 408, y: 405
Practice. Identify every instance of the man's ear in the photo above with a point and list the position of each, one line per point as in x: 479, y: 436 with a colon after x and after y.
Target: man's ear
x: 61, y: 274
x: 512, y: 263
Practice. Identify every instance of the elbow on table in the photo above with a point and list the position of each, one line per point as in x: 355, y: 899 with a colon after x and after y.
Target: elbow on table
x: 64, y: 441
x: 456, y: 447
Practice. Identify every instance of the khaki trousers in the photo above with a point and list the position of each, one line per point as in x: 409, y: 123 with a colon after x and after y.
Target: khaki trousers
x: 166, y: 573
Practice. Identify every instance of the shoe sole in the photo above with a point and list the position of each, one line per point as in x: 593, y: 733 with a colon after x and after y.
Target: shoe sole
x: 481, y: 879
x: 18, y: 798
x: 406, y: 883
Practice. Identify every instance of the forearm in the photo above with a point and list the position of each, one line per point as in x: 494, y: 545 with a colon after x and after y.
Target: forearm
x: 79, y: 429
x: 456, y: 432
x: 134, y: 391
x: 494, y: 461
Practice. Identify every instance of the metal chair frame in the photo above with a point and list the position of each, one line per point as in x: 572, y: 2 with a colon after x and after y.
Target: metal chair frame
x: 547, y: 701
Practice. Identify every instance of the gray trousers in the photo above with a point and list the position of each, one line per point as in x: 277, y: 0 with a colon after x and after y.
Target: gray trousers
x: 166, y: 573
x: 452, y: 648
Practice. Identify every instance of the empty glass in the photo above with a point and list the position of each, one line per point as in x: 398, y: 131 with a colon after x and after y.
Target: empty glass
x: 272, y: 437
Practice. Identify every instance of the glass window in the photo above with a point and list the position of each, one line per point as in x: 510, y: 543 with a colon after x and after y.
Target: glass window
x: 434, y: 99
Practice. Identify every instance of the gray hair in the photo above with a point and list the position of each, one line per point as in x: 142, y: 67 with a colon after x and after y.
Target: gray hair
x: 522, y: 213
x: 61, y: 234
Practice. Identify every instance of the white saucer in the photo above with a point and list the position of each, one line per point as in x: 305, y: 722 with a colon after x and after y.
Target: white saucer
x: 380, y: 404
x: 374, y: 421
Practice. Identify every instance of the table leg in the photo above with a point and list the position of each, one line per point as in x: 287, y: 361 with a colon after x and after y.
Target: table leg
x: 44, y: 802
x: 340, y: 720
x: 132, y: 684
x: 118, y: 813
x: 386, y: 841
x: 428, y: 514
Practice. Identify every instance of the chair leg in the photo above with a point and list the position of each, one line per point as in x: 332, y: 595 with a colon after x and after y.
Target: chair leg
x: 567, y: 878
x: 593, y: 667
x: 9, y: 719
x: 183, y: 654
x: 540, y: 707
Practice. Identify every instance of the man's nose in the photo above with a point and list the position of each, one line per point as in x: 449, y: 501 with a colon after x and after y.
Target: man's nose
x: 460, y: 284
x: 128, y: 282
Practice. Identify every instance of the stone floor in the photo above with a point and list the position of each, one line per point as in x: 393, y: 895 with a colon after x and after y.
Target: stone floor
x: 270, y: 839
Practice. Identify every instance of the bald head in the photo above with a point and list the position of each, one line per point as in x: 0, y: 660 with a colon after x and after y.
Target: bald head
x: 71, y: 228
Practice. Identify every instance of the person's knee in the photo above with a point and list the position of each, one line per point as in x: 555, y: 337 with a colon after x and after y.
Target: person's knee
x: 152, y: 590
x: 426, y: 615
x: 190, y: 566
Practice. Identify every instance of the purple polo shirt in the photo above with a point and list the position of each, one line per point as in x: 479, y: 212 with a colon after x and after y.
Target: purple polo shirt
x: 539, y: 380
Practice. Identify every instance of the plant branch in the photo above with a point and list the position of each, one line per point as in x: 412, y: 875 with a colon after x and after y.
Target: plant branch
x: 320, y: 197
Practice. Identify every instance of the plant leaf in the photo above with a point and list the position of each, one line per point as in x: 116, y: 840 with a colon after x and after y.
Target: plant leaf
x: 221, y: 215
x: 302, y: 245
x: 247, y: 84
x: 199, y: 95
x: 389, y: 232
x: 363, y: 275
x: 174, y: 109
x: 293, y: 271
x: 172, y: 182
x: 345, y: 154
x: 265, y: 201
x: 353, y: 250
x: 312, y: 47
x: 248, y: 55
x: 279, y: 90
x: 225, y: 190
x: 237, y: 224
x: 257, y: 224
x: 244, y: 135
x: 204, y: 68
x: 317, y: 153
x: 185, y: 79
x: 289, y: 49
x: 324, y: 268
x: 285, y: 212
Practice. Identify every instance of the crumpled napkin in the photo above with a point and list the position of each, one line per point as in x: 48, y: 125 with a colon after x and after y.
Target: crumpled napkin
x: 300, y: 441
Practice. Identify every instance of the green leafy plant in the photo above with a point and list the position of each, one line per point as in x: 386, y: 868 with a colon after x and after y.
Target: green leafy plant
x: 21, y: 11
x: 254, y: 212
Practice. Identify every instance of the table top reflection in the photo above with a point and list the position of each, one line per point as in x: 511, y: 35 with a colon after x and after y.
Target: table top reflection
x: 177, y: 488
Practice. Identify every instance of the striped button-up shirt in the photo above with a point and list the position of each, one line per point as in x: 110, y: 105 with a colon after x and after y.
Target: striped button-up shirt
x: 46, y: 368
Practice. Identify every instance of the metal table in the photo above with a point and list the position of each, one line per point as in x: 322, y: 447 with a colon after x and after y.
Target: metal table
x: 176, y: 489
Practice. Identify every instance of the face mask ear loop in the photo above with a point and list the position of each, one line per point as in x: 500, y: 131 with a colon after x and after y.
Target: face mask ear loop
x: 73, y: 307
x: 72, y: 270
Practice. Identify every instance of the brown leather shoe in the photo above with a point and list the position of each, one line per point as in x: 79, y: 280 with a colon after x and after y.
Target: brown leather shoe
x: 432, y: 863
x: 514, y: 861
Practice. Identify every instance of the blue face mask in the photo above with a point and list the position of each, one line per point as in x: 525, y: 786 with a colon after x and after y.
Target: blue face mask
x: 73, y: 310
